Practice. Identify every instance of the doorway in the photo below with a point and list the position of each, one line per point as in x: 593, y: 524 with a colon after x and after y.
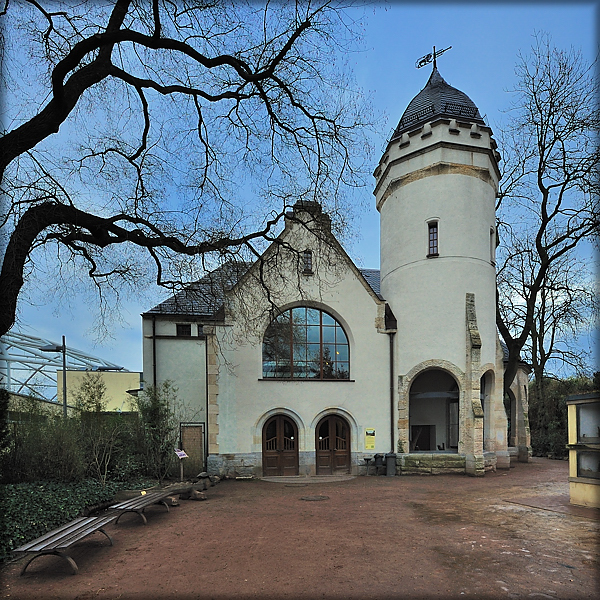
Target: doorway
x: 434, y: 412
x: 280, y: 447
x: 332, y: 445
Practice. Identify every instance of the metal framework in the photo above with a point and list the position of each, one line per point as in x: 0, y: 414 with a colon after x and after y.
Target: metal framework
x: 26, y: 369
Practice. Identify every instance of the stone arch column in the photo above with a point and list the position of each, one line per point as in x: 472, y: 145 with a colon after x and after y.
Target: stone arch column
x: 521, y: 434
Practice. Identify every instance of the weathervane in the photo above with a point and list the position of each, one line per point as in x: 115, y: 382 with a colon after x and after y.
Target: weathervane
x: 425, y: 60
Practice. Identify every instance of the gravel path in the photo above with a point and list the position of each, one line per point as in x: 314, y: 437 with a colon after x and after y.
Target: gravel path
x: 369, y: 538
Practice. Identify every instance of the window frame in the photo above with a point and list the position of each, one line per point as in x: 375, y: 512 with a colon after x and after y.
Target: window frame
x: 338, y: 366
x: 180, y: 326
x: 493, y: 246
x: 307, y: 262
x: 433, y: 243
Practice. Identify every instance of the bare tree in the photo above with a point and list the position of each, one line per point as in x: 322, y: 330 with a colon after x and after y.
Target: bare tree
x: 549, y: 195
x: 172, y: 119
x: 564, y: 312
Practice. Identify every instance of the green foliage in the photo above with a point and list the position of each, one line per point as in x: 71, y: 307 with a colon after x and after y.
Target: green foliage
x: 32, y: 509
x: 106, y: 446
x: 41, y: 445
x: 548, y: 413
x: 4, y: 433
x: 157, y: 432
x: 90, y: 394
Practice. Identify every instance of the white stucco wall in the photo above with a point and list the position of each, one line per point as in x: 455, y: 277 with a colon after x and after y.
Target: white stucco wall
x: 456, y: 187
x: 246, y: 400
x: 181, y: 360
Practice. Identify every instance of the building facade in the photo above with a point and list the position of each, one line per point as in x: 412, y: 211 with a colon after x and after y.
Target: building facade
x: 301, y: 363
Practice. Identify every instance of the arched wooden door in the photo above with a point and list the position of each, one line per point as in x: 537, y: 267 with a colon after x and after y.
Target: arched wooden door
x: 332, y: 445
x: 280, y: 447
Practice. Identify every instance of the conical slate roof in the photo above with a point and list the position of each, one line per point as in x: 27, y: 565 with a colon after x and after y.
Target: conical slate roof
x: 437, y: 99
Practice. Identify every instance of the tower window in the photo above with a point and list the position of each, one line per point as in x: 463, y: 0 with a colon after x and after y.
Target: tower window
x: 307, y: 261
x: 492, y: 246
x: 433, y: 238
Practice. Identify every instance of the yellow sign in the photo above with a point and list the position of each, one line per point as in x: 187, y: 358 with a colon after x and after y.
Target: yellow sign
x: 369, y: 439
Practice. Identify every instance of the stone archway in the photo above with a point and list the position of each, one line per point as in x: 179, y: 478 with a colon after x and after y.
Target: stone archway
x: 434, y: 412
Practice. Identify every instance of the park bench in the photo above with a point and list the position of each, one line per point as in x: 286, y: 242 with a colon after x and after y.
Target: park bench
x: 59, y: 540
x: 140, y: 503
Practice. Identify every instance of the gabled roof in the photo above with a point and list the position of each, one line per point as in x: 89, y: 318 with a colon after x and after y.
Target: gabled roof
x: 373, y: 278
x: 205, y: 298
x: 437, y: 99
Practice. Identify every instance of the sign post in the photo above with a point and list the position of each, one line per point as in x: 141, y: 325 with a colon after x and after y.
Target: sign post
x: 181, y: 455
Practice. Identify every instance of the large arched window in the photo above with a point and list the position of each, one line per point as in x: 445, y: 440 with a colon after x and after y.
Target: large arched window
x: 305, y: 343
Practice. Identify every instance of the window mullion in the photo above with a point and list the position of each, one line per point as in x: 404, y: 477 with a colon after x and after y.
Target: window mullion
x: 321, y: 340
x: 291, y: 346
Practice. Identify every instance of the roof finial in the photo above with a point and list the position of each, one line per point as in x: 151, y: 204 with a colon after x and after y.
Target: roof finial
x: 425, y: 60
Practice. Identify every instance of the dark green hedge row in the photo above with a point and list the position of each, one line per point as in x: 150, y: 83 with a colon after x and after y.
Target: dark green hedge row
x: 32, y: 509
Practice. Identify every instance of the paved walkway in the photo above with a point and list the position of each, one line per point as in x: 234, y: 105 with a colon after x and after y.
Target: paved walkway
x: 307, y: 479
x: 369, y: 538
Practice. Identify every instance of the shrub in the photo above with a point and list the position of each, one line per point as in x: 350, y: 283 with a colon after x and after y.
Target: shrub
x: 157, y: 431
x: 41, y: 445
x: 548, y: 413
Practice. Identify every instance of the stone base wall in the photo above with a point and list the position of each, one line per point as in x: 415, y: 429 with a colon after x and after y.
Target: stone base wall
x: 490, y: 461
x: 430, y: 463
x: 426, y: 463
x: 249, y: 464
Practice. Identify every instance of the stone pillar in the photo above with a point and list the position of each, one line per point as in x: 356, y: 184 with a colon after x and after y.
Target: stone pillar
x: 520, y: 389
x: 403, y: 421
x: 472, y: 412
x: 500, y: 420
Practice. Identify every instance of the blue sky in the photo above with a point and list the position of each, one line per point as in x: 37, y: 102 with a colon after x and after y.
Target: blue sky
x: 485, y: 40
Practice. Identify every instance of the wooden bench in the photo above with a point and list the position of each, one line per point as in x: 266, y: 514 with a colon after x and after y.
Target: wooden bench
x: 59, y: 540
x: 140, y: 503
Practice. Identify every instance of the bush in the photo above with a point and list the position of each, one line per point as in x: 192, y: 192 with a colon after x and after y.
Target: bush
x: 41, y: 446
x: 157, y: 431
x: 548, y: 413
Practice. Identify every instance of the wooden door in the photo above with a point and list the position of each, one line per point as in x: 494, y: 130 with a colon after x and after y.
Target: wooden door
x: 192, y: 441
x: 280, y: 447
x: 333, y: 446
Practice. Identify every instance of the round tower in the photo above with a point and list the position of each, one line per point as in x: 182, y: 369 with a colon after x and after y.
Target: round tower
x: 436, y: 186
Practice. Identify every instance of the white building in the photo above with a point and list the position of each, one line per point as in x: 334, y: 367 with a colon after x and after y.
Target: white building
x: 304, y: 364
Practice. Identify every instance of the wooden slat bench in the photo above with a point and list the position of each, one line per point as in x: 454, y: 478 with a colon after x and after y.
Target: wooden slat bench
x: 139, y: 504
x: 59, y: 540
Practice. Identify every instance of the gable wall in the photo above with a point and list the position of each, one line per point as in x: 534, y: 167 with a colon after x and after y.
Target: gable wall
x: 246, y: 400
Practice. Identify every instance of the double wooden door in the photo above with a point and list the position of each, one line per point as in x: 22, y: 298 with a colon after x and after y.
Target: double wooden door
x: 280, y: 447
x: 332, y: 445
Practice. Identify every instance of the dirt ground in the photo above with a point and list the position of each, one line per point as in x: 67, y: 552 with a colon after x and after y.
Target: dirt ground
x: 371, y: 538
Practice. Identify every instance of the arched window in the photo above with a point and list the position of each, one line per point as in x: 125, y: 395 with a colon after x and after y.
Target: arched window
x: 305, y: 343
x: 433, y: 238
